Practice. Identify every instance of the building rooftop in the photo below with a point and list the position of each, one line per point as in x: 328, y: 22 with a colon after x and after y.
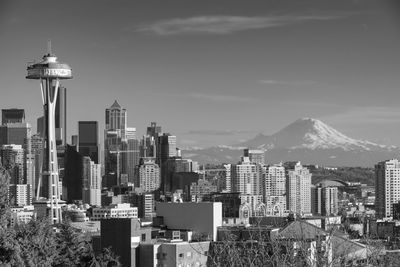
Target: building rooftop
x: 87, y: 227
x: 115, y: 105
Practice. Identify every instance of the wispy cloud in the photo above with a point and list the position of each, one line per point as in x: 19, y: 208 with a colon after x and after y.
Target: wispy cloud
x: 222, y: 98
x: 287, y: 83
x: 217, y: 132
x: 226, y: 24
x: 366, y: 115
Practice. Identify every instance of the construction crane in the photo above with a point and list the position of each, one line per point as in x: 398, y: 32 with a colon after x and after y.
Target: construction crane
x: 119, y: 152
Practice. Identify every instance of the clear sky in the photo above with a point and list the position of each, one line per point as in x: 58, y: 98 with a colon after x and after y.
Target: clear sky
x: 213, y: 71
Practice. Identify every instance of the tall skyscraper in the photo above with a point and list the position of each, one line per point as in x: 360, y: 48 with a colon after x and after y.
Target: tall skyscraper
x: 15, y: 133
x: 387, y: 187
x: 37, y: 151
x: 167, y: 147
x: 12, y: 115
x: 116, y: 119
x: 115, y: 133
x: 40, y: 126
x: 61, y: 117
x: 173, y: 166
x: 89, y: 139
x: 12, y: 158
x: 299, y: 190
x: 275, y: 189
x: 149, y: 143
x: 130, y: 158
x: 49, y: 72
x: 72, y: 183
x: 153, y: 130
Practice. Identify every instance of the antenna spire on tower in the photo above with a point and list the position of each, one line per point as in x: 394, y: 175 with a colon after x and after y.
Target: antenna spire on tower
x: 49, y: 47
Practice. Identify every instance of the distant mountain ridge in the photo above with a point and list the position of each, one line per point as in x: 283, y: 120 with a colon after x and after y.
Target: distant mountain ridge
x: 308, y: 140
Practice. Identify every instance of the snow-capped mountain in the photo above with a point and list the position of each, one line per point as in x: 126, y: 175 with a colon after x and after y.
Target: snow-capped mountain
x: 308, y: 140
x: 311, y: 134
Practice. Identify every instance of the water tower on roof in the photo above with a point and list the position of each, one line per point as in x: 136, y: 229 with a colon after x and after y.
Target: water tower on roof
x: 49, y: 72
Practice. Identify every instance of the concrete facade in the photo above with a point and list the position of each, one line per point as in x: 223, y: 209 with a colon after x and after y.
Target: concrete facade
x: 174, y: 254
x: 124, y: 236
x: 202, y: 217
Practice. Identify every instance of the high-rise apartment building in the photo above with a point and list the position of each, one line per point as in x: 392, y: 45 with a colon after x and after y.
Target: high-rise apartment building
x: 324, y: 200
x: 275, y: 189
x: 12, y: 115
x: 228, y: 178
x: 256, y: 156
x: 299, y: 190
x: 246, y: 177
x: 145, y: 203
x: 387, y: 187
x: 330, y: 197
x: 88, y: 140
x: 148, y: 175
x: 91, y: 182
x: 20, y: 195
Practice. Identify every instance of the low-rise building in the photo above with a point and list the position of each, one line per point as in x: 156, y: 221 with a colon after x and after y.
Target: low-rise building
x: 174, y: 254
x: 124, y: 235
x: 203, y: 217
x: 20, y: 194
x: 22, y: 214
x: 115, y: 211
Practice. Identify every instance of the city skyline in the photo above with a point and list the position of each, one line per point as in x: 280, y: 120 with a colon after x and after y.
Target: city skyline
x: 252, y: 67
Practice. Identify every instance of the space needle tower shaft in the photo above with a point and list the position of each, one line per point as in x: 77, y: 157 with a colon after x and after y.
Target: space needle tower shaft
x: 49, y: 72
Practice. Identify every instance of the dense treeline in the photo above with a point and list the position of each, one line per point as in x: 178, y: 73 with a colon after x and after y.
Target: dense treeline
x: 39, y: 243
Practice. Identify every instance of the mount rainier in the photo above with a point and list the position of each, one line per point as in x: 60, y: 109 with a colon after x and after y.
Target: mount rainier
x: 308, y: 140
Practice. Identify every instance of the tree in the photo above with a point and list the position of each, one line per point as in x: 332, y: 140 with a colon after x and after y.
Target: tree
x: 38, y: 243
x: 4, y: 207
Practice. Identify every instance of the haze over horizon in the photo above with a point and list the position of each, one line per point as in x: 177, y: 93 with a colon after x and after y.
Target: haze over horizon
x: 213, y: 72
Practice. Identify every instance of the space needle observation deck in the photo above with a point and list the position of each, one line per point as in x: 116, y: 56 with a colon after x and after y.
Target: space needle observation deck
x: 49, y: 72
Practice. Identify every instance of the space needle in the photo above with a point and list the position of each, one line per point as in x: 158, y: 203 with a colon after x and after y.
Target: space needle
x: 49, y: 72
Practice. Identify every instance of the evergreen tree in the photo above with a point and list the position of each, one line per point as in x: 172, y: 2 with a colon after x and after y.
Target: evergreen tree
x: 38, y: 243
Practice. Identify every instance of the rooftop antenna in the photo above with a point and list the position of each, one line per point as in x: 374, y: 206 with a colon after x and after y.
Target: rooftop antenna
x: 49, y: 47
